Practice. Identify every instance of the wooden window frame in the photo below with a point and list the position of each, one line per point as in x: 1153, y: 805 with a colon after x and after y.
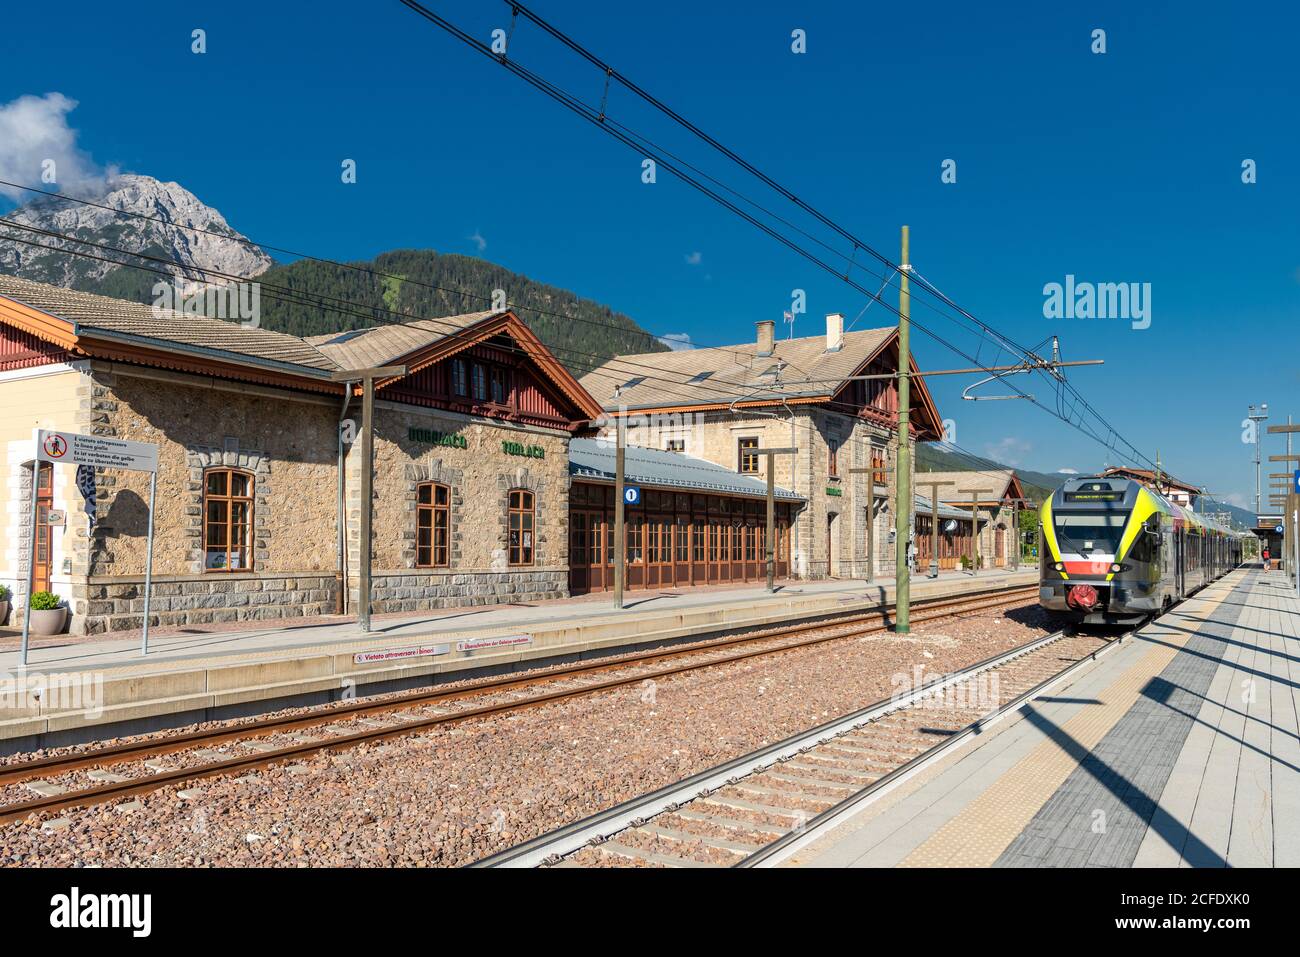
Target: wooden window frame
x: 429, y: 512
x: 833, y: 458
x: 515, y: 507
x: 459, y: 378
x: 478, y: 374
x: 230, y: 500
x: 499, y: 381
x: 746, y: 462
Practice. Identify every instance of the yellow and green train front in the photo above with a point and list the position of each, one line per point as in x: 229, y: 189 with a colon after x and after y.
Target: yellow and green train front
x: 1101, y: 556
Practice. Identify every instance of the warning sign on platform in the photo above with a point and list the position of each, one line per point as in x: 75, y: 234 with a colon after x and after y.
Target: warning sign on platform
x: 397, y: 654
x: 505, y: 641
x: 96, y: 451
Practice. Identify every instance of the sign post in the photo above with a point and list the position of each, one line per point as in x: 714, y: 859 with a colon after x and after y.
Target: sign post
x: 93, y: 451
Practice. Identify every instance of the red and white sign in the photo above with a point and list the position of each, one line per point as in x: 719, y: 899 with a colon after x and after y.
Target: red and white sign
x: 397, y: 654
x: 483, y: 644
x: 98, y: 451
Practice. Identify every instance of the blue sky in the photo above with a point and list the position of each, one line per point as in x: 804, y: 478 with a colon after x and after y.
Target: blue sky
x: 1119, y: 167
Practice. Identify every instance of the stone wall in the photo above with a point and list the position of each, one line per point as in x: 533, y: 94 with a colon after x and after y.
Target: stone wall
x: 114, y: 604
x: 423, y: 588
x: 285, y: 440
x: 479, y: 478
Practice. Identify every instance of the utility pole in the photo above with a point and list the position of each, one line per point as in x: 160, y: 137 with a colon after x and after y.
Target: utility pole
x: 871, y: 516
x: 1257, y: 416
x: 620, y: 552
x: 934, y: 522
x: 367, y: 378
x: 1291, y: 515
x: 771, y: 512
x: 903, y: 485
x: 975, y: 494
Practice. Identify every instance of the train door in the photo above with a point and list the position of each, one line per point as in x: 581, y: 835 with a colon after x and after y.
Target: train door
x: 1180, y: 557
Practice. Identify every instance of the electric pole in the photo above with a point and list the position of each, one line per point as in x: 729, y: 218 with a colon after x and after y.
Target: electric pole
x: 771, y: 512
x: 367, y: 378
x: 934, y: 522
x: 903, y: 487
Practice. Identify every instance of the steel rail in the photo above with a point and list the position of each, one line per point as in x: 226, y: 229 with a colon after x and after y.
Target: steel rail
x: 115, y: 790
x: 261, y: 727
x: 786, y: 846
x: 548, y: 848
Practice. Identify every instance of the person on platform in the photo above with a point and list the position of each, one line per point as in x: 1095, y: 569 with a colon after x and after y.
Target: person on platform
x: 1266, y: 556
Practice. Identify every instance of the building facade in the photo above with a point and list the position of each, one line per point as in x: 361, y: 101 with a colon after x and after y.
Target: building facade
x: 833, y: 398
x: 257, y: 512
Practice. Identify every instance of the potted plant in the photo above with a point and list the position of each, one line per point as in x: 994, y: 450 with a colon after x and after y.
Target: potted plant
x: 4, y: 604
x: 48, y: 613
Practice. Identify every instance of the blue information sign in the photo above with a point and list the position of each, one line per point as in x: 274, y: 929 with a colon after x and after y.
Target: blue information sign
x: 631, y: 495
x: 1296, y: 487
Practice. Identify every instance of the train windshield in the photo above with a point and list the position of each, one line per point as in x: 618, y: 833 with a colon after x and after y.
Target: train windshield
x: 1090, y: 532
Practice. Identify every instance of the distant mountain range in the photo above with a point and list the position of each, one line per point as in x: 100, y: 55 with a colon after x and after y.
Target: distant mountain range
x: 404, y: 284
x: 930, y: 457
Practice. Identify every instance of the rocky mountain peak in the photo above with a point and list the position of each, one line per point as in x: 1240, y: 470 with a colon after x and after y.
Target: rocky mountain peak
x: 170, y: 203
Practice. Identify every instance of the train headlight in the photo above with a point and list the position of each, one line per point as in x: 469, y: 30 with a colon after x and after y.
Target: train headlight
x: 1059, y: 567
x: 1116, y: 567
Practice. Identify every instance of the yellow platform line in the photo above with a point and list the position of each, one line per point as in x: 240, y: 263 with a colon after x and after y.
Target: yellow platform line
x: 982, y: 830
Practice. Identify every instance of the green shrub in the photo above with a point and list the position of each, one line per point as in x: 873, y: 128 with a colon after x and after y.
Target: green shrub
x: 44, y: 601
x: 4, y: 593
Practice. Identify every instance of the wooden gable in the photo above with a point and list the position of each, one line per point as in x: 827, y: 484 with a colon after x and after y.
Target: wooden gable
x: 23, y: 350
x: 877, y: 399
x: 507, y: 374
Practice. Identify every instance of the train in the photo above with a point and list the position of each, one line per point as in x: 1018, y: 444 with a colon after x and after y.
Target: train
x: 1115, y: 552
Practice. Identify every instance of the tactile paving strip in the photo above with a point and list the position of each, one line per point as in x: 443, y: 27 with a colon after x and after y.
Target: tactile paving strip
x: 983, y: 830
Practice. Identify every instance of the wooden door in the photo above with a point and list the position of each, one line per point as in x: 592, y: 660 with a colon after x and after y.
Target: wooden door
x: 44, y: 533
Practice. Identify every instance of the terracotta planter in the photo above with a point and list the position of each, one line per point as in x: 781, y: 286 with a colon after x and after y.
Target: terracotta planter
x: 49, y: 621
x: 4, y: 611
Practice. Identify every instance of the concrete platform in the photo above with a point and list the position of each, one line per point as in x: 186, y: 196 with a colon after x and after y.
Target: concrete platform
x: 1179, y: 748
x: 103, y: 687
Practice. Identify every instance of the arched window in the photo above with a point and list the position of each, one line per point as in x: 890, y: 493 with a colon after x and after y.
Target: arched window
x: 433, y: 525
x: 228, y: 520
x: 522, y: 522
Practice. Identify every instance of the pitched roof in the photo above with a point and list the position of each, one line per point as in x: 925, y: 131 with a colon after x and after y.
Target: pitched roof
x: 118, y: 318
x: 1149, y: 476
x: 1000, y: 481
x: 734, y: 372
x: 594, y: 459
x: 382, y: 345
x: 115, y: 328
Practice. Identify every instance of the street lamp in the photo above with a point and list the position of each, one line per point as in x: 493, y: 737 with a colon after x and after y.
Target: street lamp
x: 1257, y: 415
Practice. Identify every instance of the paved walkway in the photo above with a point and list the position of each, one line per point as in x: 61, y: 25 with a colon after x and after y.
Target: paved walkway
x: 176, y: 646
x: 1179, y: 748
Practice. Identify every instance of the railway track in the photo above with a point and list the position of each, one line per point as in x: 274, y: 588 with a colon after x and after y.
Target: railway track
x: 761, y: 808
x: 148, y: 764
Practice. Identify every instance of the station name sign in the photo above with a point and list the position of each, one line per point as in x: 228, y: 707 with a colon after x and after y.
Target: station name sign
x: 527, y: 451
x: 832, y: 490
x: 429, y: 437
x: 96, y: 451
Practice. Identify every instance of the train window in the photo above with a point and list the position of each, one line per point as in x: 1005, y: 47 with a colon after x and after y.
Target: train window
x: 1096, y: 532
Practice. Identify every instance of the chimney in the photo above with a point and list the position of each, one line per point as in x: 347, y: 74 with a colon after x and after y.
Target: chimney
x: 766, y: 334
x: 834, y: 332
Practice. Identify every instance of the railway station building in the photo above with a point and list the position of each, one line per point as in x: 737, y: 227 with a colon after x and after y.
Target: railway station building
x: 255, y: 518
x: 990, y: 499
x: 725, y: 404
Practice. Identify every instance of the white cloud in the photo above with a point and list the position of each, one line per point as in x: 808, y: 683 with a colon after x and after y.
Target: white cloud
x: 1067, y: 471
x: 677, y: 341
x: 694, y: 259
x: 478, y: 240
x: 34, y: 133
x: 1008, y: 451
x: 1239, y: 500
